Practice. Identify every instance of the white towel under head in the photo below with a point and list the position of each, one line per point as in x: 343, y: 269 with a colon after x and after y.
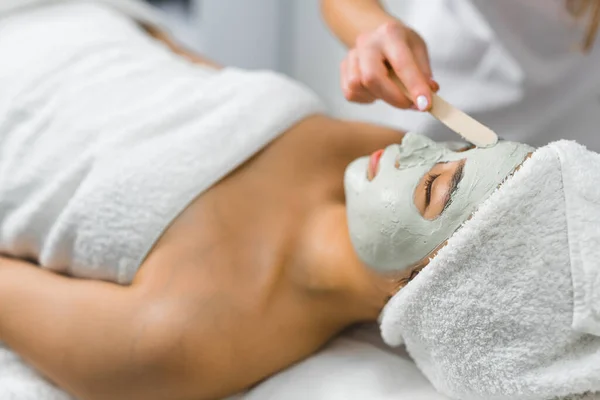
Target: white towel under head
x: 509, y: 309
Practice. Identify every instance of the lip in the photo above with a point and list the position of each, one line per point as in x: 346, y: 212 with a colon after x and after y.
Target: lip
x: 373, y: 167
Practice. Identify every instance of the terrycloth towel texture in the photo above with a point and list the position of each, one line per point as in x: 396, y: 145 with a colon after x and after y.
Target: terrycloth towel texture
x: 509, y: 309
x: 137, y: 9
x: 106, y: 135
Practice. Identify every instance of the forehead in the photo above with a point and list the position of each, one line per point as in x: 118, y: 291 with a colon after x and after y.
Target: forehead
x: 418, y: 150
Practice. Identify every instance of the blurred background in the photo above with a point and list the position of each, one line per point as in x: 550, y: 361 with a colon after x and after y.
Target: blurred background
x: 286, y: 36
x: 528, y: 82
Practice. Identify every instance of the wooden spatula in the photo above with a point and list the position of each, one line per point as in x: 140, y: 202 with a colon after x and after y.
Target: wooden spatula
x: 469, y: 128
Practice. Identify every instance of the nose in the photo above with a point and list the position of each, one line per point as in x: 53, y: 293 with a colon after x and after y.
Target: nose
x: 418, y: 157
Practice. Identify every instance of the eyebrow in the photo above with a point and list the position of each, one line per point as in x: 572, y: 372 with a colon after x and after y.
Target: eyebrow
x: 456, y: 178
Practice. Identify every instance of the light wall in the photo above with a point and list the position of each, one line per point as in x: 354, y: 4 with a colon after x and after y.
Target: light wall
x: 243, y: 33
x: 288, y: 36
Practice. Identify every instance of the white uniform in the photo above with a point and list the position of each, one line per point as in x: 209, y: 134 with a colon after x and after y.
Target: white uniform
x: 513, y: 64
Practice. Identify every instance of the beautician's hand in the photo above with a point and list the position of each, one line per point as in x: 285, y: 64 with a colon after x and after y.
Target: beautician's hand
x: 364, y: 70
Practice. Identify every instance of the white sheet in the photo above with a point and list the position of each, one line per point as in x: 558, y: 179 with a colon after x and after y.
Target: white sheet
x: 356, y: 366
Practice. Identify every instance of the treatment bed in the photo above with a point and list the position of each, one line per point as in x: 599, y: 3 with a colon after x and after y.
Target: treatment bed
x: 355, y: 366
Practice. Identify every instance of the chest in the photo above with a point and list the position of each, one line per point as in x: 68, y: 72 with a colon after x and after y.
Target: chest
x: 223, y: 263
x: 247, y: 224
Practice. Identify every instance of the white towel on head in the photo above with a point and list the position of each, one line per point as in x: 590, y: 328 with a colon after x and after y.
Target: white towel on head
x: 509, y: 309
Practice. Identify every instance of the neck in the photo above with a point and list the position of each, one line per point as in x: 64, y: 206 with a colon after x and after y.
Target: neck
x: 325, y: 265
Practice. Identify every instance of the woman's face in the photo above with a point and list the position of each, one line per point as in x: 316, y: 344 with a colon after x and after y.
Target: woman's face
x: 402, y: 202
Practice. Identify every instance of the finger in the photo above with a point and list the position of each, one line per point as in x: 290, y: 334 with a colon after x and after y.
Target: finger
x: 400, y: 57
x: 422, y: 58
x: 421, y: 54
x: 351, y: 81
x: 359, y: 93
x: 344, y: 81
x: 343, y: 76
x: 375, y: 78
x: 363, y: 98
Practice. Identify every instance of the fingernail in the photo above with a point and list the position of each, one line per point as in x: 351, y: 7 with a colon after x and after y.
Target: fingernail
x: 422, y: 103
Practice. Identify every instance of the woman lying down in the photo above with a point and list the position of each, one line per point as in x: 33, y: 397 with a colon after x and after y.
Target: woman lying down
x: 172, y: 230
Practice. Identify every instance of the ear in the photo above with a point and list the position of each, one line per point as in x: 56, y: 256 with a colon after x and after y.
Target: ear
x: 402, y: 278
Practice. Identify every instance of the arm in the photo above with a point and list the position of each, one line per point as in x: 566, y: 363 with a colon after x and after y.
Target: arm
x: 348, y: 19
x: 89, y: 337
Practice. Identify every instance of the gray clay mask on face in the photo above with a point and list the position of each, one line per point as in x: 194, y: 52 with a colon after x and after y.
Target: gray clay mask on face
x: 386, y: 228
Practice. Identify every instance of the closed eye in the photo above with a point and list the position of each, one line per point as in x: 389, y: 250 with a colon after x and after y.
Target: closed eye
x: 434, y: 192
x: 428, y: 185
x: 456, y: 177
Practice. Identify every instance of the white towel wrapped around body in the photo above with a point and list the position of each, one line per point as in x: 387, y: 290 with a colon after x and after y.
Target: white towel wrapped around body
x: 106, y: 135
x: 509, y: 309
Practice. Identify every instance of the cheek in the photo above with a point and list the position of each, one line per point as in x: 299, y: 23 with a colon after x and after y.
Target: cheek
x: 372, y: 212
x: 373, y: 207
x: 381, y: 213
x: 383, y: 206
x: 392, y: 195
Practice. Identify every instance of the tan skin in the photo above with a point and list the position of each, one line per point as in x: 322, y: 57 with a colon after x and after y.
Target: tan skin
x: 256, y: 274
